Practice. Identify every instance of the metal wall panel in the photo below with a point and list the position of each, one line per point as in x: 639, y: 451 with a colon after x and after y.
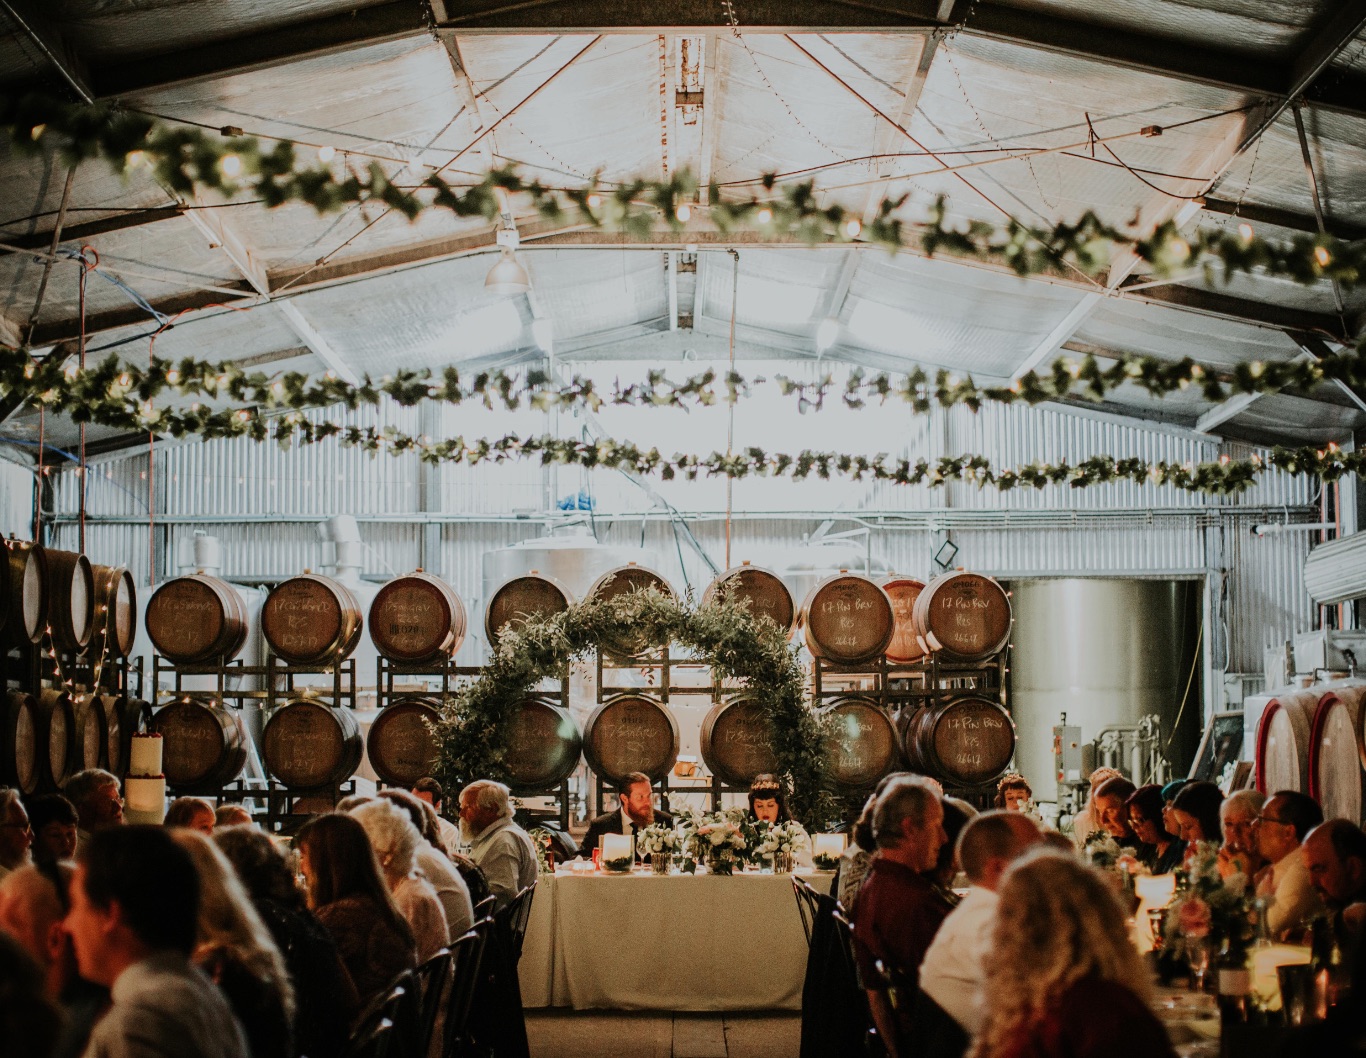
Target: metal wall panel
x: 16, y: 500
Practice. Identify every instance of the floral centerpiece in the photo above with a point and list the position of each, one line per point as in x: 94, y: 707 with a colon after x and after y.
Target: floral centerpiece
x: 660, y: 843
x: 778, y: 843
x: 721, y: 840
x: 1102, y: 851
x: 1211, y: 911
x: 545, y: 858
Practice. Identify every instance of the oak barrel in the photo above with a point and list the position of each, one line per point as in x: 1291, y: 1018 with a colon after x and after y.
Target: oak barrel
x: 204, y: 746
x: 544, y: 745
x: 309, y: 745
x: 70, y: 599
x: 400, y: 743
x: 116, y: 611
x: 311, y: 620
x: 737, y: 741
x: 1337, y: 779
x: 91, y: 716
x: 966, y: 741
x: 533, y: 595
x: 1282, y: 755
x: 196, y: 618
x: 848, y: 619
x: 626, y: 641
x: 417, y: 618
x: 631, y: 732
x: 905, y: 645
x: 26, y: 601
x: 36, y: 750
x: 761, y: 590
x: 963, y: 617
x: 863, y: 743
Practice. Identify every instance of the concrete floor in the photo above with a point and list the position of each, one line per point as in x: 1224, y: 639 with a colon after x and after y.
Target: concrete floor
x: 610, y: 1034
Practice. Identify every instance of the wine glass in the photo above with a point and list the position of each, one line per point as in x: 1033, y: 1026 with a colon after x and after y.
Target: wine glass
x: 1197, y: 958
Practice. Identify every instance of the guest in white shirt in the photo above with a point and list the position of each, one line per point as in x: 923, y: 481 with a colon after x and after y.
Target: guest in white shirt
x: 500, y: 848
x: 1284, y: 822
x: 954, y: 967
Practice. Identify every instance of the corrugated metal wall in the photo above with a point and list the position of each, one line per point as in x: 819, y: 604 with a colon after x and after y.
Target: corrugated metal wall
x: 16, y: 500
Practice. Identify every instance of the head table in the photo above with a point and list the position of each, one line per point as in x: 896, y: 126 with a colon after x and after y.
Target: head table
x: 673, y: 942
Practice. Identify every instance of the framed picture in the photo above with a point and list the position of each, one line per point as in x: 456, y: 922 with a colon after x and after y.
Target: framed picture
x: 1241, y: 779
x: 1221, y: 746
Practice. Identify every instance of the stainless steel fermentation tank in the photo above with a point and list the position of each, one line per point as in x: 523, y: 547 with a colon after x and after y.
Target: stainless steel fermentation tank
x: 1105, y: 652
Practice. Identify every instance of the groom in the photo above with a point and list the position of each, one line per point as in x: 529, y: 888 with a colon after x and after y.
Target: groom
x: 636, y: 812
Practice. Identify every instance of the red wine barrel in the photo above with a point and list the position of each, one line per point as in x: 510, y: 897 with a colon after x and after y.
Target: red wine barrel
x: 70, y: 599
x: 737, y: 741
x: 1337, y: 779
x: 417, y: 618
x: 627, y: 642
x: 1283, y: 742
x: 544, y: 745
x: 90, y: 730
x: 36, y: 752
x: 531, y: 596
x: 848, y: 619
x: 308, y: 745
x: 26, y: 601
x: 761, y: 590
x: 960, y: 741
x: 400, y: 743
x: 905, y: 645
x: 204, y: 747
x: 196, y: 618
x: 863, y: 744
x: 116, y: 610
x: 631, y: 732
x: 963, y: 617
x: 311, y: 620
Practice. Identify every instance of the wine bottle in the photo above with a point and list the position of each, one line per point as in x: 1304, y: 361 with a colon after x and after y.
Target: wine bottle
x: 1235, y: 986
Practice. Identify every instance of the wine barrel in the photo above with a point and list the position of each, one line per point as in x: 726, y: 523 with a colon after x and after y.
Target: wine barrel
x: 400, y: 743
x: 70, y: 599
x: 116, y: 610
x: 631, y: 732
x: 311, y: 620
x: 533, y: 595
x: 25, y: 741
x: 309, y: 745
x: 964, y: 741
x: 848, y: 619
x: 905, y: 645
x: 737, y: 741
x: 196, y: 618
x: 1282, y: 755
x: 417, y: 618
x: 761, y: 590
x: 1337, y: 779
x: 627, y: 642
x: 204, y: 746
x: 863, y: 743
x: 26, y: 600
x: 963, y: 617
x: 91, y: 715
x: 544, y: 745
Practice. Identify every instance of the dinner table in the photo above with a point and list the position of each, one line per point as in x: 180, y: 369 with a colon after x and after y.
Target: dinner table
x: 680, y: 942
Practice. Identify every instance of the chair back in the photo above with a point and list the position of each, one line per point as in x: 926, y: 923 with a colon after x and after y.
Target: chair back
x: 380, y: 1030
x: 808, y: 904
x: 434, y: 979
x: 512, y: 920
x: 467, y: 958
x: 484, y: 909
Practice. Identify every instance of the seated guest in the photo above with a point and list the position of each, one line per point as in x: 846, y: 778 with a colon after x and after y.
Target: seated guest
x: 231, y: 815
x: 766, y: 801
x: 857, y: 857
x: 899, y: 909
x: 95, y: 795
x: 1013, y: 792
x: 1169, y: 793
x: 636, y: 797
x: 133, y: 921
x: 395, y: 840
x: 429, y: 791
x: 53, y: 822
x: 348, y: 895
x: 499, y: 847
x: 16, y: 837
x: 1238, y: 823
x: 1162, y: 852
x: 1108, y: 806
x: 191, y: 813
x: 957, y: 814
x: 1063, y: 979
x: 436, y: 866
x: 954, y: 968
x: 30, y: 1023
x: 1286, y: 819
x: 430, y: 825
x: 1196, y: 812
x: 1086, y: 821
x: 324, y: 997
x: 1335, y: 857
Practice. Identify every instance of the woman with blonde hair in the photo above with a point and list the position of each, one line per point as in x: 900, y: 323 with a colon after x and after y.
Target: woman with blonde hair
x: 1063, y: 978
x: 237, y: 952
x: 395, y: 841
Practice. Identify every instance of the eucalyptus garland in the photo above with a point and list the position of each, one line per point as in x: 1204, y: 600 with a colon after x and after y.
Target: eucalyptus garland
x: 473, y: 731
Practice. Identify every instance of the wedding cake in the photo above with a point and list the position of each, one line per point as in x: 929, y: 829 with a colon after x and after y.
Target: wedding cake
x: 144, y: 790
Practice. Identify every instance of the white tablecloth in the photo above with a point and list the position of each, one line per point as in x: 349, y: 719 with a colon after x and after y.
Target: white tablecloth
x: 641, y: 942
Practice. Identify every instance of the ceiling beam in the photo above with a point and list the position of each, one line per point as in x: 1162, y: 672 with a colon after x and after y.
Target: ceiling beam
x: 1284, y: 218
x: 1213, y: 303
x: 1061, y: 334
x: 889, y: 136
x: 714, y: 87
x: 316, y: 343
x: 42, y: 240
x: 1223, y: 412
x: 482, y: 152
x: 47, y: 38
x: 1316, y: 348
x: 221, y: 236
x: 131, y: 316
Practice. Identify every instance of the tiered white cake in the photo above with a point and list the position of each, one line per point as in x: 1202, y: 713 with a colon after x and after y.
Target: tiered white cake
x: 144, y: 790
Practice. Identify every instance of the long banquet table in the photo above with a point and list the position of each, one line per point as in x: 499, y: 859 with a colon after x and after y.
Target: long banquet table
x: 676, y: 942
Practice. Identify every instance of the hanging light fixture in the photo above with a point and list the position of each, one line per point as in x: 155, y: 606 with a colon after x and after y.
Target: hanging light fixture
x: 507, y: 276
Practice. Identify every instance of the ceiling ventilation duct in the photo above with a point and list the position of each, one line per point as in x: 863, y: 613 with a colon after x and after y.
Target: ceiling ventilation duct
x: 1336, y: 572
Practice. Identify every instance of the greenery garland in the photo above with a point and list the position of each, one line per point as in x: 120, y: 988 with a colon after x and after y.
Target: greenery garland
x: 472, y: 733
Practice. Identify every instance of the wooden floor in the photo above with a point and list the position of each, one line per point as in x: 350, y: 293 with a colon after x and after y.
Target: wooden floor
x: 608, y: 1034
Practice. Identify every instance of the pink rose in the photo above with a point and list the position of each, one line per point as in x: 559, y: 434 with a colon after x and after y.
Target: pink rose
x: 1193, y: 918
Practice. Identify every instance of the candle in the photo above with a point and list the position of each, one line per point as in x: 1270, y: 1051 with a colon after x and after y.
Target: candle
x: 615, y: 847
x: 828, y: 845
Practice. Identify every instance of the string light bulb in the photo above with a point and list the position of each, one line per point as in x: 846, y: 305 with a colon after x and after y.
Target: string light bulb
x: 326, y: 154
x: 683, y: 212
x: 230, y: 165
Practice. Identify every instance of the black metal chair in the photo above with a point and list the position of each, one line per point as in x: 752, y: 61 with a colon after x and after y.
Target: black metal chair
x: 808, y: 904
x: 434, y: 980
x: 512, y: 921
x: 379, y: 1030
x: 484, y: 909
x: 467, y: 957
x: 844, y: 928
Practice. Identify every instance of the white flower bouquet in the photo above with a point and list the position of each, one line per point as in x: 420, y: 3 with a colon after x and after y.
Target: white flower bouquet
x: 657, y: 839
x: 720, y: 839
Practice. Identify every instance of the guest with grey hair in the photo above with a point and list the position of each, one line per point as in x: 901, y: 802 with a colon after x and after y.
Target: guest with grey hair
x: 1238, y: 821
x: 95, y: 795
x: 435, y: 866
x: 395, y: 841
x: 500, y: 848
x: 16, y: 836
